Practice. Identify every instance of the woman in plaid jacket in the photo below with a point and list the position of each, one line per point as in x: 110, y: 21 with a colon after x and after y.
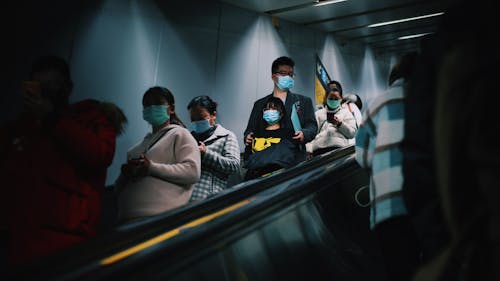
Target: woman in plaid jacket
x: 219, y: 149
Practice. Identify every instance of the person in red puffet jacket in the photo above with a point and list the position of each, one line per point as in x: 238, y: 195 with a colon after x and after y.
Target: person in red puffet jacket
x: 55, y: 161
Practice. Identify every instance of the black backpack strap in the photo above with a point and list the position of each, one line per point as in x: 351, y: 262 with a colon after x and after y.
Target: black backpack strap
x: 214, y: 139
x: 320, y: 127
x: 159, y: 138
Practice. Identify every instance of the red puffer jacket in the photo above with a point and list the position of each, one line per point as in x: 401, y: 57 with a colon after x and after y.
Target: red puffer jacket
x: 57, y: 198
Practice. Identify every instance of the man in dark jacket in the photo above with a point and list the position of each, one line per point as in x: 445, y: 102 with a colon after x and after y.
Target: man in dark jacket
x: 298, y: 108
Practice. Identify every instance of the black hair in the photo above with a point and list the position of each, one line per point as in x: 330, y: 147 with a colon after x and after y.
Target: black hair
x: 275, y: 103
x: 353, y: 98
x: 205, y: 102
x: 338, y: 86
x: 281, y: 61
x: 169, y: 97
x: 52, y: 63
x: 358, y: 102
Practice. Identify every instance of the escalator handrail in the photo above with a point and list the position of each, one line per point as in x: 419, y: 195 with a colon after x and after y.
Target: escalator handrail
x: 132, y: 235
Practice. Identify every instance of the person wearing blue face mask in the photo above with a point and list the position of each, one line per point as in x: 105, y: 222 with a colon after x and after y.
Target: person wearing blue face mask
x: 272, y: 149
x: 297, y: 106
x: 337, y: 126
x: 161, y: 169
x: 218, y: 147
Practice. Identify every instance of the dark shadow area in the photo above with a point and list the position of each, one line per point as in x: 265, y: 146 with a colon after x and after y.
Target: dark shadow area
x: 38, y: 28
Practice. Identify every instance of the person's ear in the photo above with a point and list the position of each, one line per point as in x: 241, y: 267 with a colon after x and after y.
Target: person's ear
x: 274, y: 77
x: 171, y: 109
x: 212, y: 118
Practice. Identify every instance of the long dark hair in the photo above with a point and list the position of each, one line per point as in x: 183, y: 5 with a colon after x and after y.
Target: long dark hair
x: 169, y: 97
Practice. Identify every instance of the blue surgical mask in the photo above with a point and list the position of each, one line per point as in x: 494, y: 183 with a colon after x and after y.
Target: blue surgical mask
x: 271, y: 116
x: 285, y: 83
x: 156, y: 114
x: 200, y: 126
x: 333, y: 104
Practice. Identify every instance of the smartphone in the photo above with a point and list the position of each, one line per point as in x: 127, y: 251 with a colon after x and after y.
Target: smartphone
x: 329, y: 116
x: 136, y: 160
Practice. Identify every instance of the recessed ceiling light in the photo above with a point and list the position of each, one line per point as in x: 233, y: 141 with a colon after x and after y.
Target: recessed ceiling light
x: 413, y: 36
x: 327, y: 2
x: 404, y: 20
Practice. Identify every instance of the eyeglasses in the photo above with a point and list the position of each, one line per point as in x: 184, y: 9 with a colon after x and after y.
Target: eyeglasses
x: 283, y: 73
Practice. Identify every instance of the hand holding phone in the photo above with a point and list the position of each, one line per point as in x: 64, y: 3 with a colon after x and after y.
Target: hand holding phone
x: 330, y: 116
x: 138, y: 161
x: 139, y: 166
x: 31, y: 88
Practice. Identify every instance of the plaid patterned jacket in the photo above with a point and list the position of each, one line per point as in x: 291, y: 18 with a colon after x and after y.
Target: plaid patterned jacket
x: 221, y: 159
x: 378, y: 149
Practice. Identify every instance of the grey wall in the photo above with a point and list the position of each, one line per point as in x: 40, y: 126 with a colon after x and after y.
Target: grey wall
x: 118, y: 49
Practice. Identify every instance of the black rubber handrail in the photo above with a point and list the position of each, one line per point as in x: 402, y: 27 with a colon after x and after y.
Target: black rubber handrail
x: 74, y: 260
x: 176, y: 254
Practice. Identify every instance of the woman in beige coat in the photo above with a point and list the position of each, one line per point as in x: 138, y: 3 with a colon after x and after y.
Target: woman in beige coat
x: 162, y: 169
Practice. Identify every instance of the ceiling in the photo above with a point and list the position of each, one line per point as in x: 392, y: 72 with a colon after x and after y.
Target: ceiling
x: 349, y: 19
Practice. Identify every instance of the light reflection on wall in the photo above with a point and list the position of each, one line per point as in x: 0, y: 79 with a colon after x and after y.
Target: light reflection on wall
x: 334, y: 63
x: 146, y: 48
x: 354, y: 66
x: 244, y: 71
x: 271, y: 47
x: 373, y: 83
x: 393, y: 60
x: 115, y: 58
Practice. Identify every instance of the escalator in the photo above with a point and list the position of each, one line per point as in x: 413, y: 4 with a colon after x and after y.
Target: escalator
x: 307, y: 222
